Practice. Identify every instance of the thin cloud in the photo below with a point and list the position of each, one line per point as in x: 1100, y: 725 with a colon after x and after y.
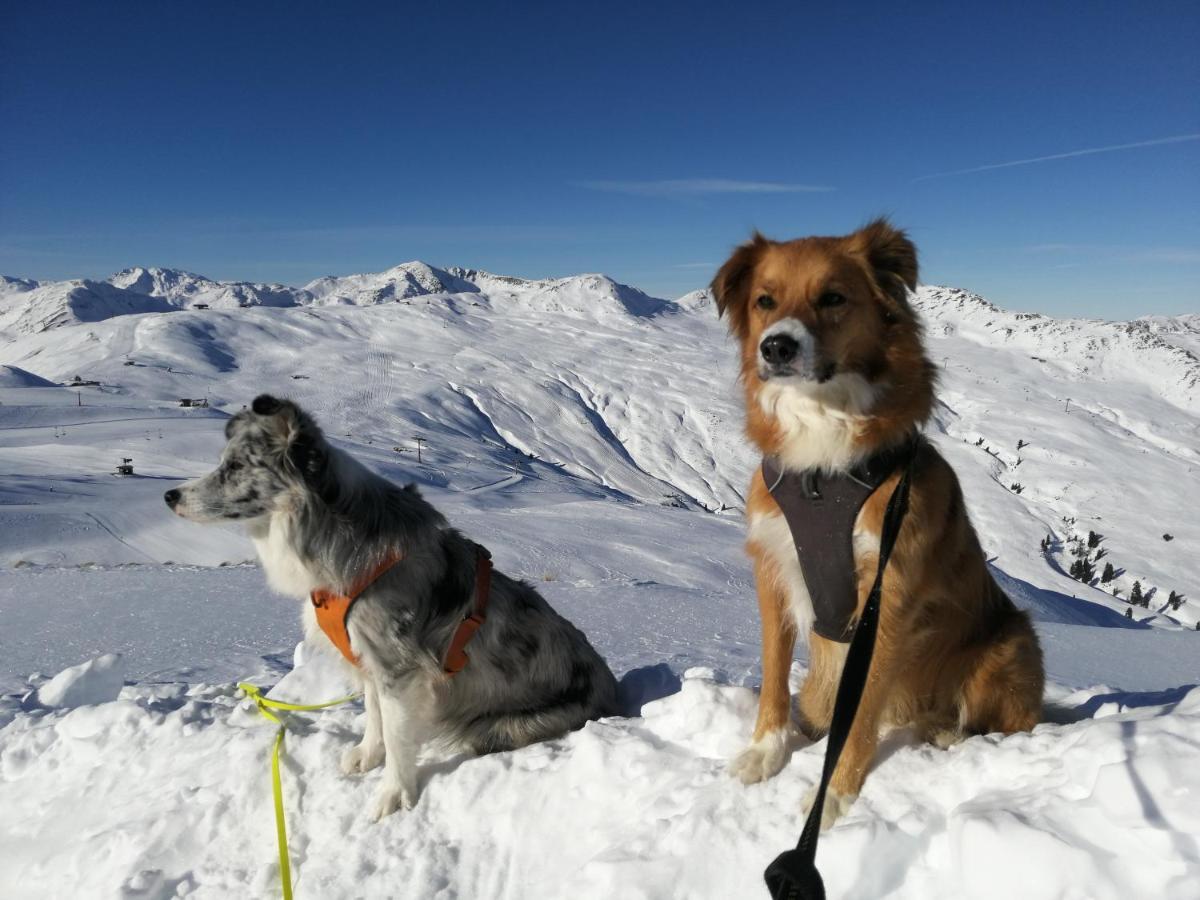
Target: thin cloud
x: 1177, y: 139
x: 1182, y: 255
x: 689, y: 187
x: 1119, y: 253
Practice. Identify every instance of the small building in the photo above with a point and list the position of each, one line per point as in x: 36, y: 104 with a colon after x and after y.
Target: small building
x: 194, y: 402
x: 126, y: 466
x: 199, y: 306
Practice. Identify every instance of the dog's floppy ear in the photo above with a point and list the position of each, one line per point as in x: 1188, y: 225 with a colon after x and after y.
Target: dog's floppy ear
x: 301, y: 437
x: 284, y: 414
x: 266, y: 405
x: 892, y: 258
x: 297, y: 432
x: 731, y: 286
x: 307, y: 454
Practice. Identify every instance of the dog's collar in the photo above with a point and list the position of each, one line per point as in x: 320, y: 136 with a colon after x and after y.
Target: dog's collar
x: 456, y: 656
x: 333, y: 609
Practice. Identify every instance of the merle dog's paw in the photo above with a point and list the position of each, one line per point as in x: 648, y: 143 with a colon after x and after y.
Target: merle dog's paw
x: 362, y: 758
x: 762, y: 759
x: 392, y: 798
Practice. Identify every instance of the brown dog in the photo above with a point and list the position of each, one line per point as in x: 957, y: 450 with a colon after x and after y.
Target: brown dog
x: 835, y: 377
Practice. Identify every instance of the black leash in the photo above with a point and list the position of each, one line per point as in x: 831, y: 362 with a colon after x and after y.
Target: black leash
x: 793, y: 875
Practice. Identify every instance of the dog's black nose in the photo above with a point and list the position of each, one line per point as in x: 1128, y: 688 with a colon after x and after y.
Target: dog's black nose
x: 172, y: 497
x: 779, y: 349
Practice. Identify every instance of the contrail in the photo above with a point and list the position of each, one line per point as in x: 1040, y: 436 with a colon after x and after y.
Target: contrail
x: 1177, y: 139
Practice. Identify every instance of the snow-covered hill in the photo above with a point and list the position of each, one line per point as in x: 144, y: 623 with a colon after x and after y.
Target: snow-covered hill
x: 1140, y: 351
x: 53, y: 304
x: 586, y: 378
x: 402, y: 282
x: 590, y: 436
x: 29, y: 307
x: 185, y: 290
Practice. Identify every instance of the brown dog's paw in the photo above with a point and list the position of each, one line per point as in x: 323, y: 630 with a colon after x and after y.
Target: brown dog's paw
x: 762, y: 759
x: 836, y: 805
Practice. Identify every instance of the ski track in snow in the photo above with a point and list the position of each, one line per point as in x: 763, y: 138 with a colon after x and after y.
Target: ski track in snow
x: 577, y: 428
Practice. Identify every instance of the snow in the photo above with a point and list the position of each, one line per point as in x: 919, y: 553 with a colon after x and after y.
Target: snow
x: 98, y: 680
x: 186, y: 290
x: 590, y: 436
x: 15, y: 377
x: 167, y: 789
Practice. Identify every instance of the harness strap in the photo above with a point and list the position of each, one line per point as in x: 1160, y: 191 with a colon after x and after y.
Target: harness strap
x: 793, y: 875
x: 333, y: 609
x: 456, y: 655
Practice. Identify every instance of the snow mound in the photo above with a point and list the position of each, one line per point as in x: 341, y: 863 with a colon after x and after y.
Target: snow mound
x: 96, y: 681
x: 15, y: 377
x: 1101, y: 805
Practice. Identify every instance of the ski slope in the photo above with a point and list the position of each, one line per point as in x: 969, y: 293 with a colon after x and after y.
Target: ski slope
x: 591, y: 437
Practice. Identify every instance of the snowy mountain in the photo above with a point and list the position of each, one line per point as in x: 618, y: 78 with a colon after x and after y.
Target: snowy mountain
x: 620, y: 390
x: 402, y: 282
x: 27, y: 307
x: 591, y: 437
x: 1139, y: 350
x: 185, y: 290
x: 53, y: 304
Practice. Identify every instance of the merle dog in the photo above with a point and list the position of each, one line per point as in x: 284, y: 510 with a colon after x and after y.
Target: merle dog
x: 322, y: 522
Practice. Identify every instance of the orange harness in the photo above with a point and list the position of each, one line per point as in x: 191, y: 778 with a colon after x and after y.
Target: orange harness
x: 333, y: 610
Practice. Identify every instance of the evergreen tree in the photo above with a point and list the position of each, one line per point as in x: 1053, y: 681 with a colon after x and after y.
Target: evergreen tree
x: 1094, y: 540
x: 1129, y: 612
x: 1135, y: 596
x: 1108, y: 575
x: 1089, y: 571
x: 1082, y: 570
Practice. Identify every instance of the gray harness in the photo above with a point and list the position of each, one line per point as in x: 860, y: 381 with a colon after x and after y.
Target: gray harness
x: 820, y: 510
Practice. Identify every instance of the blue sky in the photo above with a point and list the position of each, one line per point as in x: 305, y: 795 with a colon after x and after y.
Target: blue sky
x: 285, y: 141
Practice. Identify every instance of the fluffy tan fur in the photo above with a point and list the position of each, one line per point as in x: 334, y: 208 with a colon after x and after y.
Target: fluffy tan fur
x: 953, y: 655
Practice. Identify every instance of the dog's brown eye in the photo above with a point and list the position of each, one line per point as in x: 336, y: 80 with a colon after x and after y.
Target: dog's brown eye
x: 829, y: 298
x: 765, y: 301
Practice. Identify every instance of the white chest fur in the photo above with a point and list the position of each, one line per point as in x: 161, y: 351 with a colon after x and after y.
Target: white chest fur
x: 285, y: 572
x: 774, y: 538
x: 819, y: 422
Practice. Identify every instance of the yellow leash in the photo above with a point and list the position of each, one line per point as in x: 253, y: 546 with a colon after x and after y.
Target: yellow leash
x: 265, y: 705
